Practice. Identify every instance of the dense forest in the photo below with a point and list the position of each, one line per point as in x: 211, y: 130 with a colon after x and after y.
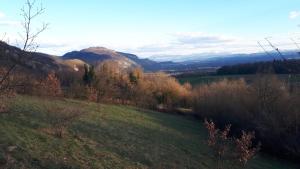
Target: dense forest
x: 276, y: 66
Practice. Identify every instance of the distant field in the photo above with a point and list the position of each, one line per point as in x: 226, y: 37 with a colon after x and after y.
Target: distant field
x: 108, y: 137
x: 198, y: 80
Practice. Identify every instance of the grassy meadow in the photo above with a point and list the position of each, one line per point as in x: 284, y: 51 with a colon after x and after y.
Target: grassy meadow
x: 106, y: 136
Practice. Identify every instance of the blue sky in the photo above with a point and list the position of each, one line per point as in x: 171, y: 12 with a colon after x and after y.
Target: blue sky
x: 160, y: 27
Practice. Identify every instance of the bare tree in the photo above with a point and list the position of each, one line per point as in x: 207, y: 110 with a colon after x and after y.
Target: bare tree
x: 29, y: 13
x: 3, y: 37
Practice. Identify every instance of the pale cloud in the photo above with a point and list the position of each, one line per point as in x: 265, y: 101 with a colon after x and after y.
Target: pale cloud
x: 294, y: 14
x: 202, y: 38
x: 9, y: 23
x: 189, y: 43
x: 2, y: 15
x: 182, y: 45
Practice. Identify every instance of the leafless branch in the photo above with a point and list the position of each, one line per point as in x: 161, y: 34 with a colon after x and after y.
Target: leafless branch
x: 3, y: 37
x: 29, y: 14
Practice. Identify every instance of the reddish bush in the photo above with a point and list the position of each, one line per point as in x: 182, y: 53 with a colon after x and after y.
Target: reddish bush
x: 7, y: 91
x: 49, y: 87
x: 227, y: 151
x: 92, y: 94
x: 244, y: 147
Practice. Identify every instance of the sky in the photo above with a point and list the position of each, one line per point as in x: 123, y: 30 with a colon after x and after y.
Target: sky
x: 159, y: 27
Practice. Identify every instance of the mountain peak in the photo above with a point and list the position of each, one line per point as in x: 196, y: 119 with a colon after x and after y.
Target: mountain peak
x: 95, y: 55
x: 98, y: 50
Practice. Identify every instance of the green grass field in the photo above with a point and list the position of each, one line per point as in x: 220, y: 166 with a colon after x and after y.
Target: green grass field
x: 199, y: 80
x: 108, y: 137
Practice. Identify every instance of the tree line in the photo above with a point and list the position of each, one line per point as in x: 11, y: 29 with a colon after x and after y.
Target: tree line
x: 277, y: 66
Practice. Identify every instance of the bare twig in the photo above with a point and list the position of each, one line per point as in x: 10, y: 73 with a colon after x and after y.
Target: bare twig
x: 3, y: 37
x: 29, y: 37
x: 29, y: 15
x: 6, y: 76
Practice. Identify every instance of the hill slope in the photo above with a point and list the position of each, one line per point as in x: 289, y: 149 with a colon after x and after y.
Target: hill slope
x: 106, y: 137
x: 147, y: 64
x: 10, y: 55
x: 33, y: 62
x: 96, y: 55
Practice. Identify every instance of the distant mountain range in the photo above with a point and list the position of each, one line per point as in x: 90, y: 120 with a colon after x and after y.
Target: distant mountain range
x: 95, y: 55
x: 211, y: 56
x: 198, y: 63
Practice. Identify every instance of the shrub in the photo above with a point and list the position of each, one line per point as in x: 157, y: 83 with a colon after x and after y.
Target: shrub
x: 228, y: 151
x: 142, y: 93
x: 111, y: 84
x: 92, y: 94
x: 49, y: 87
x: 223, y: 101
x: 7, y: 91
x: 4, y: 108
x: 166, y: 90
x: 264, y: 106
x: 5, y: 99
x: 62, y: 117
x: 106, y: 82
x: 244, y: 147
x: 276, y: 116
x: 76, y: 90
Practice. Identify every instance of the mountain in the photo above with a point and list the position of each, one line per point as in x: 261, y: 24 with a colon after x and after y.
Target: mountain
x: 33, y: 61
x: 240, y: 57
x: 147, y: 64
x: 10, y: 55
x: 232, y: 59
x: 74, y: 61
x: 199, y: 62
x: 96, y: 55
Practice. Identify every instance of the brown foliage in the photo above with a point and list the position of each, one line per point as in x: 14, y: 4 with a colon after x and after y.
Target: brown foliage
x: 107, y: 78
x: 92, y: 94
x: 276, y: 116
x: 7, y: 91
x: 223, y: 101
x: 49, y: 87
x: 244, y: 147
x: 167, y: 91
x: 229, y: 150
x: 264, y: 106
x: 219, y: 142
x: 137, y: 88
x: 113, y: 84
x: 76, y: 90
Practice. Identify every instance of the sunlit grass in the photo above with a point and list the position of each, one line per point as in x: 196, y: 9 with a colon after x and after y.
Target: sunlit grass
x: 108, y: 136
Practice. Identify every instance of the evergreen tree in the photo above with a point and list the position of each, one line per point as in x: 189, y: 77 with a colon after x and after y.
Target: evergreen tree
x: 89, y: 75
